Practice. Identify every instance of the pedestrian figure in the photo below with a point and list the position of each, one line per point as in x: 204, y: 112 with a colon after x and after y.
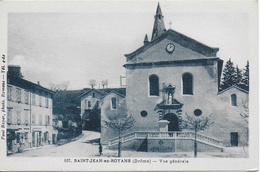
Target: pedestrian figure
x: 100, y: 149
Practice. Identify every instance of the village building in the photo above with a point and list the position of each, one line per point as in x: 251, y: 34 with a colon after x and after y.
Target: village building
x: 96, y: 102
x: 29, y: 113
x: 168, y: 78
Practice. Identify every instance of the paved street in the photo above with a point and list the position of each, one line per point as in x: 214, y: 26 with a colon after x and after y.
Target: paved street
x: 78, y: 148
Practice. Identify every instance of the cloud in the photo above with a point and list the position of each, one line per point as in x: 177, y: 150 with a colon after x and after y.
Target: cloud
x: 34, y: 69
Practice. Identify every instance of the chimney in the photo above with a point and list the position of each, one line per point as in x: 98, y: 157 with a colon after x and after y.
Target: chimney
x: 15, y: 71
x: 38, y: 82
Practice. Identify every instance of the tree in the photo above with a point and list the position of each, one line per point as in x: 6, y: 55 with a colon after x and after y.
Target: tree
x: 245, y: 77
x: 229, y: 75
x: 63, y: 86
x: 197, y: 123
x: 238, y: 76
x: 119, y: 122
x: 104, y: 83
x: 92, y: 83
x: 203, y: 122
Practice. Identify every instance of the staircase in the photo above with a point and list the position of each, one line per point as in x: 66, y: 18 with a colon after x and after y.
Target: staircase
x: 179, y: 135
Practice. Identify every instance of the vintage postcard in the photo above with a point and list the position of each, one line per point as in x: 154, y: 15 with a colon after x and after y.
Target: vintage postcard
x: 129, y: 85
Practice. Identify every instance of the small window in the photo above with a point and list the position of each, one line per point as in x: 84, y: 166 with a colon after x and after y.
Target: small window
x: 26, y: 117
x: 154, y: 85
x: 33, y: 99
x: 48, y: 120
x: 144, y: 113
x: 9, y: 116
x: 113, y: 103
x: 40, y: 119
x: 47, y: 102
x: 18, y: 117
x: 40, y: 101
x: 18, y: 95
x: 93, y: 95
x: 26, y: 97
x: 89, y: 104
x: 9, y: 93
x: 33, y: 119
x: 234, y: 100
x: 187, y: 84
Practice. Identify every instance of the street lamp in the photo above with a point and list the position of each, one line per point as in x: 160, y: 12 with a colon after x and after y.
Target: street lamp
x: 197, y: 112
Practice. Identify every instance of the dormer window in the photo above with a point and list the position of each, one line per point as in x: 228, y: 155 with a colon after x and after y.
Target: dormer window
x: 93, y: 95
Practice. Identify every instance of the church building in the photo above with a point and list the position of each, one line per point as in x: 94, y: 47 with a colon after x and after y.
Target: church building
x: 167, y: 79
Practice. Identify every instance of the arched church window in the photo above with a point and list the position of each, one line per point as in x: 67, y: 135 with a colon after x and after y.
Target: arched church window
x: 154, y: 85
x: 187, y: 83
x: 113, y: 103
x: 233, y: 99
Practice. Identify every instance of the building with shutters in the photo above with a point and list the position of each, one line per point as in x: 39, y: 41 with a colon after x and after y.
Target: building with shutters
x: 29, y: 113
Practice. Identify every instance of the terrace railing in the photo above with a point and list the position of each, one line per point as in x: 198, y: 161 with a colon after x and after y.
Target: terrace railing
x: 179, y: 135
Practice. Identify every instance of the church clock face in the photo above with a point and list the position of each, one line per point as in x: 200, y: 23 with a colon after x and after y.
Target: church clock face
x: 170, y: 48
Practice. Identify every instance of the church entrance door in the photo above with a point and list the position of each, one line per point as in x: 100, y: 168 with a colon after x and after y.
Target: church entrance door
x: 174, y: 121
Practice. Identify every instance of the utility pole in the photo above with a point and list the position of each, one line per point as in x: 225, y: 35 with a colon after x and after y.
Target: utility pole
x: 195, y: 140
x: 197, y: 112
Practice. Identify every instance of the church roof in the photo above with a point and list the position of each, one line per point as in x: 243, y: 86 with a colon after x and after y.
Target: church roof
x: 180, y: 39
x: 235, y: 87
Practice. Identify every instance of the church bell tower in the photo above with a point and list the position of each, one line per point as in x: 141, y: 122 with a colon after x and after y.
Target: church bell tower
x: 158, y: 27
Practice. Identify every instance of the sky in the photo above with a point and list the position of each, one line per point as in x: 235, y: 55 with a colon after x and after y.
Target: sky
x: 88, y: 40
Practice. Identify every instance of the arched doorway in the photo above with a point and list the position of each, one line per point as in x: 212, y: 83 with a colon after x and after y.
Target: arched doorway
x: 174, y: 121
